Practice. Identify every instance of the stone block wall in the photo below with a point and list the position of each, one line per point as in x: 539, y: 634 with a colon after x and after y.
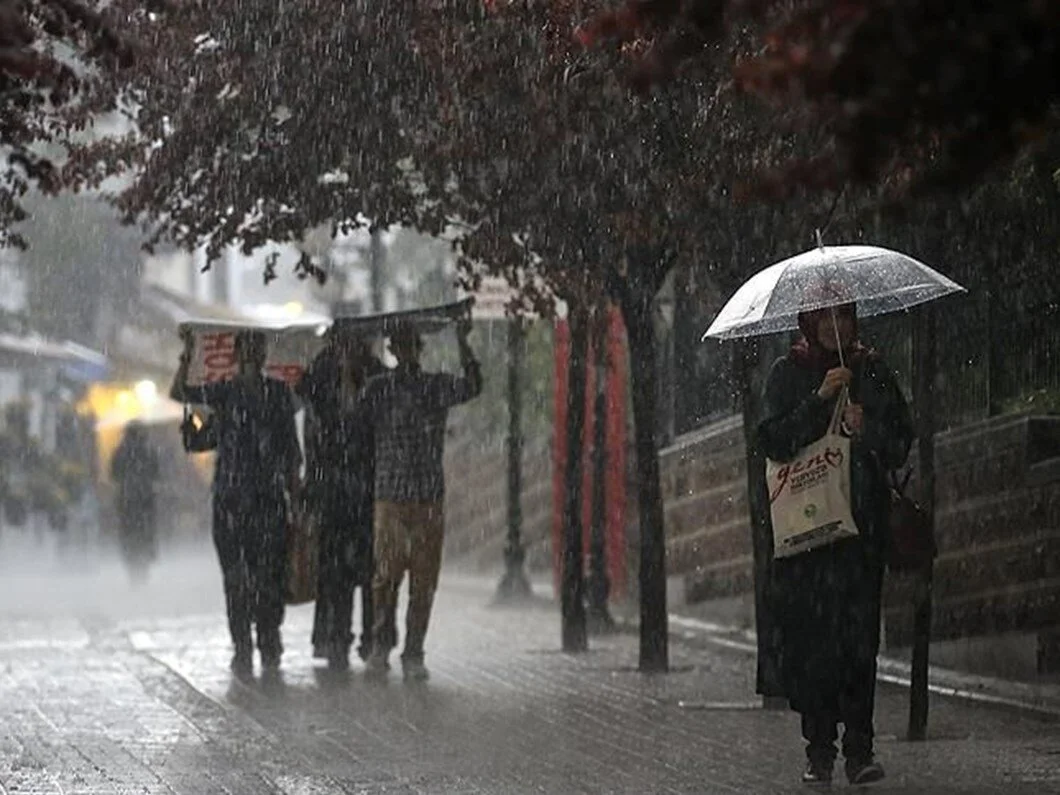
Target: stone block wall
x: 998, y: 525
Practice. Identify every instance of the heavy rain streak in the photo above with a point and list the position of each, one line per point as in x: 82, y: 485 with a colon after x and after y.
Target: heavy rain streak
x: 529, y: 396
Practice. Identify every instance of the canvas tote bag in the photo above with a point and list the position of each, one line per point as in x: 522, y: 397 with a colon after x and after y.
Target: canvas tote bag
x: 810, y: 496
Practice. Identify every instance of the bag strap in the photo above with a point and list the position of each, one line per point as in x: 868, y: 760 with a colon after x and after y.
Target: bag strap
x: 837, y: 413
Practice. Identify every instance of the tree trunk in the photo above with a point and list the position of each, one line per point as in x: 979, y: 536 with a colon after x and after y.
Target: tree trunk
x: 572, y: 590
x: 654, y: 632
x: 514, y: 584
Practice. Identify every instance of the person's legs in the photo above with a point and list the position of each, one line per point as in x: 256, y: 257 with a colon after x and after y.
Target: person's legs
x: 427, y: 531
x: 820, y: 731
x: 367, y: 621
x: 334, y: 632
x: 236, y: 583
x: 390, y: 552
x: 267, y: 536
x: 322, y: 607
x: 857, y: 708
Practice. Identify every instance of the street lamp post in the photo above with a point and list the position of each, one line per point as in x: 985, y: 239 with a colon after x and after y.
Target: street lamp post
x: 514, y: 585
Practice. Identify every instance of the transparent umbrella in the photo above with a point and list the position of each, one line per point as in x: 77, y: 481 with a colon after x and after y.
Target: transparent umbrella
x: 879, y: 280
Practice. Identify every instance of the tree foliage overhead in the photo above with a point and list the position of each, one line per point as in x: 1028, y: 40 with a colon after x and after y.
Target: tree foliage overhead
x: 266, y: 121
x: 263, y: 120
x: 55, y: 56
x: 921, y: 94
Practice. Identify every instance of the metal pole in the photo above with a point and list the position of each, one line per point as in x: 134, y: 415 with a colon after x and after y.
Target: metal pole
x: 924, y: 351
x: 514, y: 585
x: 599, y: 590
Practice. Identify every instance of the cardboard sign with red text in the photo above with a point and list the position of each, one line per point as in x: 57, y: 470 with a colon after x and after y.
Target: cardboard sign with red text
x: 290, y: 351
x: 809, y: 496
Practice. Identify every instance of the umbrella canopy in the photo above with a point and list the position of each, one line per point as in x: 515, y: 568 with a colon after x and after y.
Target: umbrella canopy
x: 878, y: 280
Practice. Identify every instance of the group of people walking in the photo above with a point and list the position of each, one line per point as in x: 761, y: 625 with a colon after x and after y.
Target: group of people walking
x: 374, y: 481
x: 376, y: 438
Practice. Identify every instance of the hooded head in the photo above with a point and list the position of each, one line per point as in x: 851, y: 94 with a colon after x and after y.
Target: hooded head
x: 824, y: 332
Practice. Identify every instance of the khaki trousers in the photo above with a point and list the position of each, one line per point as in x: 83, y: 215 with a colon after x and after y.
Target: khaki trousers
x: 408, y: 537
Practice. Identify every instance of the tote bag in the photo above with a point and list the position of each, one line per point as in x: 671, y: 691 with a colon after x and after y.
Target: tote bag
x: 810, y: 496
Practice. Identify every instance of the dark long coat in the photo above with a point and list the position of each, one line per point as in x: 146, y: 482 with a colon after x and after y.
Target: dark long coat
x: 340, y: 480
x: 827, y: 601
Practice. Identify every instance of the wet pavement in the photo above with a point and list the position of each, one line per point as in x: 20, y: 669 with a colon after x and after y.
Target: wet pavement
x: 128, y: 692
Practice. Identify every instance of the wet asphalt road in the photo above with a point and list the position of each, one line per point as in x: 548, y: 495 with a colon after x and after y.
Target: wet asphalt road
x: 109, y: 689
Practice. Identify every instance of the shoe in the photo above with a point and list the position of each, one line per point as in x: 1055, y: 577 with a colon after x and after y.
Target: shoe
x: 376, y: 666
x: 338, y: 660
x: 242, y: 665
x: 864, y: 772
x: 817, y: 775
x: 415, y: 671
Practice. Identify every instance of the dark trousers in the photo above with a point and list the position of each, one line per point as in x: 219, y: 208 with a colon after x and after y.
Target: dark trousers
x: 333, y: 620
x: 344, y: 564
x: 855, y: 711
x: 249, y: 535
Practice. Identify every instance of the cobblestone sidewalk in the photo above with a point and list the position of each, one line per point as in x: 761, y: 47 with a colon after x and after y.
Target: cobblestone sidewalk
x: 146, y: 705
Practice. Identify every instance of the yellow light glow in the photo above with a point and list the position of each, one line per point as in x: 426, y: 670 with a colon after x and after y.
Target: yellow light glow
x: 293, y: 308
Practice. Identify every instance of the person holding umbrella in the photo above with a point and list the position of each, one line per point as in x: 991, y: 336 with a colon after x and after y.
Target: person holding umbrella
x: 833, y: 424
x: 828, y: 598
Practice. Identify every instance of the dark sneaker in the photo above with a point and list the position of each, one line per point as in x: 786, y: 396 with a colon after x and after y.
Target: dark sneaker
x: 242, y: 665
x: 270, y: 659
x: 415, y: 671
x: 817, y: 775
x: 864, y: 772
x: 338, y: 660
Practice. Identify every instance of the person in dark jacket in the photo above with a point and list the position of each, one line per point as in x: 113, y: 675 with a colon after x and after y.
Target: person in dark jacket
x: 258, y: 462
x: 339, y: 487
x: 827, y: 600
x: 135, y: 471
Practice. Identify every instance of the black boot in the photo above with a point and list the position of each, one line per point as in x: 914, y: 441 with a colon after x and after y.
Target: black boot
x: 864, y: 771
x: 242, y: 664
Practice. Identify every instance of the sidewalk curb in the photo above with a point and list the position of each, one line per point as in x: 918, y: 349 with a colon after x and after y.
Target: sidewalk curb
x: 1040, y: 700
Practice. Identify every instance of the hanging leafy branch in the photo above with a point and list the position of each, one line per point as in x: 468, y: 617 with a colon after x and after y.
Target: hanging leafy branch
x: 55, y: 56
x: 920, y: 95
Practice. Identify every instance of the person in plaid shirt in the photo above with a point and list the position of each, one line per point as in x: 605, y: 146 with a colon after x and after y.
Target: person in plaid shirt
x: 408, y: 409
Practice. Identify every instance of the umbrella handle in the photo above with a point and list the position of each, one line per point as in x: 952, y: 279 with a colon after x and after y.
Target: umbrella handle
x: 838, y: 339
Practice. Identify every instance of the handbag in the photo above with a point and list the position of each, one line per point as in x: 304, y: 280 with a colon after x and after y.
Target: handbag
x: 809, y: 497
x: 198, y: 431
x: 302, y: 549
x: 912, y: 537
